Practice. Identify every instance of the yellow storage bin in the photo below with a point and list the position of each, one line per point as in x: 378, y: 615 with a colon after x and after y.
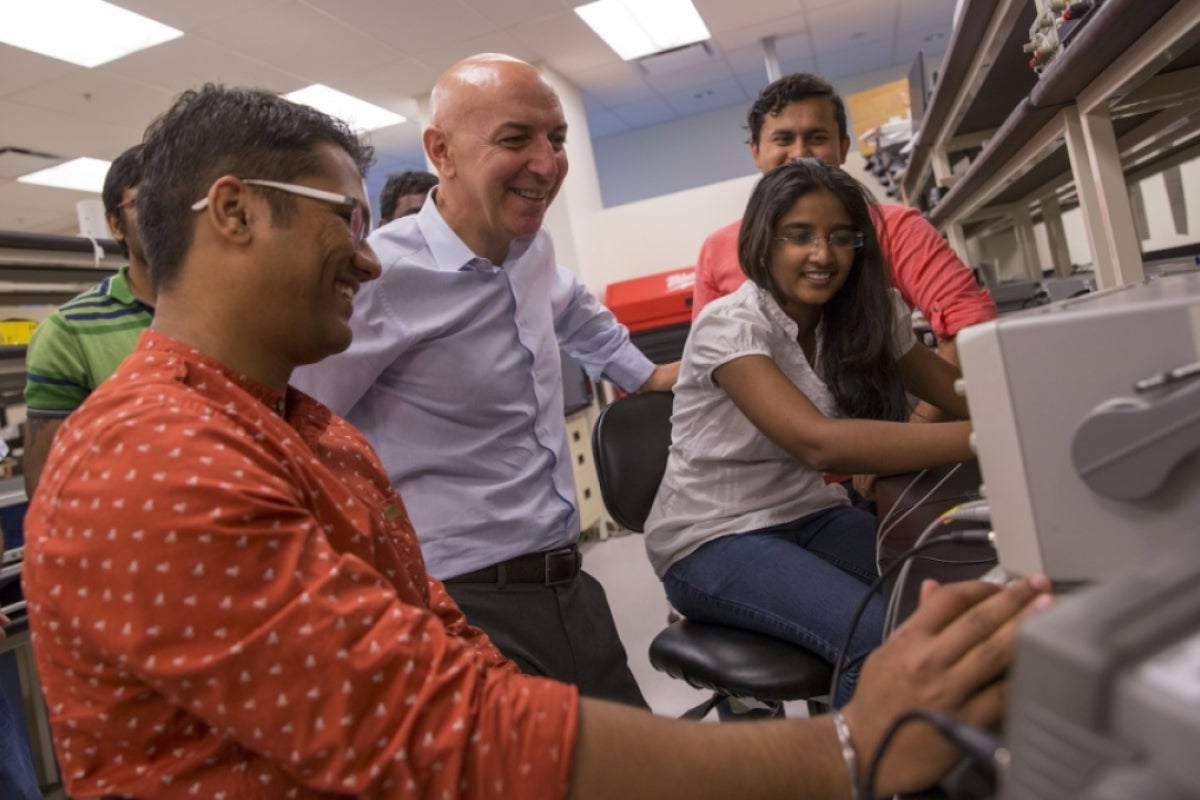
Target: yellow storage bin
x: 16, y: 331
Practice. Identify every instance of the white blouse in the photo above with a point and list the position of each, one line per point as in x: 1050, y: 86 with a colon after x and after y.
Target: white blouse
x: 723, y: 475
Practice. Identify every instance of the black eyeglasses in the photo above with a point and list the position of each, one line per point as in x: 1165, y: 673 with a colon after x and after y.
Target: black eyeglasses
x: 358, y: 219
x: 838, y: 240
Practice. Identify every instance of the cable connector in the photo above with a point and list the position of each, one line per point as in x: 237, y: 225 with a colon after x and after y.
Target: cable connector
x: 977, y: 511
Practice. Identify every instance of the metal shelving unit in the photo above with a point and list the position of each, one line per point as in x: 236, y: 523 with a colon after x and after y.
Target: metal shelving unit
x: 38, y: 269
x: 1121, y: 103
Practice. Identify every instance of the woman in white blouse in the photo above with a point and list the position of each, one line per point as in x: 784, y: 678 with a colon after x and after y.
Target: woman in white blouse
x: 803, y: 370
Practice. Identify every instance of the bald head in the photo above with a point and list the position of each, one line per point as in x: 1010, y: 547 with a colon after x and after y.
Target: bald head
x: 474, y: 82
x: 497, y: 138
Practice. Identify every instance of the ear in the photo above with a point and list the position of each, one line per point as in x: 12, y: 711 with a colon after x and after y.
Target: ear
x: 229, y: 210
x: 116, y: 225
x: 754, y: 152
x: 437, y: 149
x: 845, y: 148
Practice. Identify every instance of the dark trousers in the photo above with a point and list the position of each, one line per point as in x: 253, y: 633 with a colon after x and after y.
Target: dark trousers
x: 564, y: 632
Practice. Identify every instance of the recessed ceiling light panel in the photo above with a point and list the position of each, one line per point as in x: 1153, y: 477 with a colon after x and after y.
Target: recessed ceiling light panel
x: 637, y: 28
x: 358, y: 114
x: 81, y: 174
x: 83, y: 32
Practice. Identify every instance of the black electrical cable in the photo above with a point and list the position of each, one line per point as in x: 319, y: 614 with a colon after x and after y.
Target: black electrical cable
x: 979, y: 745
x: 961, y: 537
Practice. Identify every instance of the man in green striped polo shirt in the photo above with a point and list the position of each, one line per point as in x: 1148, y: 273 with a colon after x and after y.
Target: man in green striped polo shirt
x: 83, y: 341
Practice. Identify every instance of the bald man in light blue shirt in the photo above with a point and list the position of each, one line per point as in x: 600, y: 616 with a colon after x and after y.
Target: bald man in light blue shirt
x: 454, y: 376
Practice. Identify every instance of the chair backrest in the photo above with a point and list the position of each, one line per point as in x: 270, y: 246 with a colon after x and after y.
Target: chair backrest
x: 630, y: 442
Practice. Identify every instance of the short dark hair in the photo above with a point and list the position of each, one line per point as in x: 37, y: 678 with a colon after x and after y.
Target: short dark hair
x: 856, y: 358
x: 412, y: 181
x: 792, y: 89
x: 125, y: 172
x: 216, y: 131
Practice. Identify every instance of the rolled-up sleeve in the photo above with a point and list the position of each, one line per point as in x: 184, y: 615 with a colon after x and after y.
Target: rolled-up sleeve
x: 930, y: 276
x: 593, y: 336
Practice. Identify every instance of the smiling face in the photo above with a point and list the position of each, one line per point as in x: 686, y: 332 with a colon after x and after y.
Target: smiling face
x: 313, y: 266
x: 808, y: 276
x: 498, y: 142
x: 802, y: 129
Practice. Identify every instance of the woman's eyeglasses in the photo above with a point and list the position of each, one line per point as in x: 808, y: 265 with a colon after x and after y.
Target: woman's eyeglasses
x: 838, y: 240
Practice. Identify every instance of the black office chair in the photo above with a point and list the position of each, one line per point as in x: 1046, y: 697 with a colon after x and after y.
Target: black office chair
x: 630, y: 441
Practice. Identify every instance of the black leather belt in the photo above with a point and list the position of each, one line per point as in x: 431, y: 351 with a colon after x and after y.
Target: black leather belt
x: 552, y: 568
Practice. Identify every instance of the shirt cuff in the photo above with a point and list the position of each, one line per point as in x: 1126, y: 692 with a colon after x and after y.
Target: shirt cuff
x: 630, y: 369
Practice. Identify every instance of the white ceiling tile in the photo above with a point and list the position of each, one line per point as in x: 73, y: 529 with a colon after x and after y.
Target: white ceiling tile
x: 506, y: 13
x: 602, y: 123
x: 192, y: 61
x: 188, y: 16
x: 851, y: 23
x: 409, y: 26
x: 651, y: 111
x: 853, y: 61
x: 21, y: 69
x: 752, y: 34
x: 718, y: 94
x: 89, y: 94
x: 304, y: 41
x: 916, y: 15
x: 697, y: 75
x: 439, y: 59
x: 612, y: 89
x: 63, y: 135
x: 564, y: 41
x: 725, y: 15
x: 622, y: 77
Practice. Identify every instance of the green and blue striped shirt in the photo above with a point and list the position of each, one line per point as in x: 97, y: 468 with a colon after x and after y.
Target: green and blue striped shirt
x: 81, y: 344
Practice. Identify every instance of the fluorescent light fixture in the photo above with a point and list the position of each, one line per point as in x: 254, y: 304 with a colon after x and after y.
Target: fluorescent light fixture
x: 358, y: 114
x: 83, y: 174
x: 84, y: 32
x: 636, y: 28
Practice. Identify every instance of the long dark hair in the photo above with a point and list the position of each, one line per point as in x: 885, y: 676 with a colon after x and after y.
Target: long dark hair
x: 855, y: 357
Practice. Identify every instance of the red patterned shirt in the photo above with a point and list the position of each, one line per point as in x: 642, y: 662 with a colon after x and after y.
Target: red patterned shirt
x: 227, y: 600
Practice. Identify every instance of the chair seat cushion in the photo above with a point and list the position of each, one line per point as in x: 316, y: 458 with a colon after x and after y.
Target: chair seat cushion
x: 739, y: 663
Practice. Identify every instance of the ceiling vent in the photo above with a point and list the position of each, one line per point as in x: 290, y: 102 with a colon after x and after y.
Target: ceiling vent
x: 679, y: 58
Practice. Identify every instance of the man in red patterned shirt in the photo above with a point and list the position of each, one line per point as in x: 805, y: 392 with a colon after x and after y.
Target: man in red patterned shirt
x: 227, y: 599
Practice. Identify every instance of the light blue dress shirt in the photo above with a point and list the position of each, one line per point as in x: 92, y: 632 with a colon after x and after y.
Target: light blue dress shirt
x: 454, y: 376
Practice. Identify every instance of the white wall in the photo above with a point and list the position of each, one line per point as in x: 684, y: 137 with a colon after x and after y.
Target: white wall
x: 698, y: 150
x: 654, y: 235
x: 664, y: 233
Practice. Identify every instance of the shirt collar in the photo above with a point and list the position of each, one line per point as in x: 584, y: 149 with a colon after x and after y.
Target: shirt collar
x: 451, y: 253
x: 297, y: 408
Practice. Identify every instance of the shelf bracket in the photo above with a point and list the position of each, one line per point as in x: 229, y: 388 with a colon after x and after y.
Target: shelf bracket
x: 1103, y: 197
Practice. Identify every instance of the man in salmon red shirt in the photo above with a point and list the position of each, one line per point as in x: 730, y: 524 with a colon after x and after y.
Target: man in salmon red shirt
x: 227, y: 598
x: 800, y: 115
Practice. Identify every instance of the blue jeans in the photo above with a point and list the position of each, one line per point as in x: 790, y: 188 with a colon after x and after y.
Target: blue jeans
x: 17, y: 780
x: 800, y: 581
